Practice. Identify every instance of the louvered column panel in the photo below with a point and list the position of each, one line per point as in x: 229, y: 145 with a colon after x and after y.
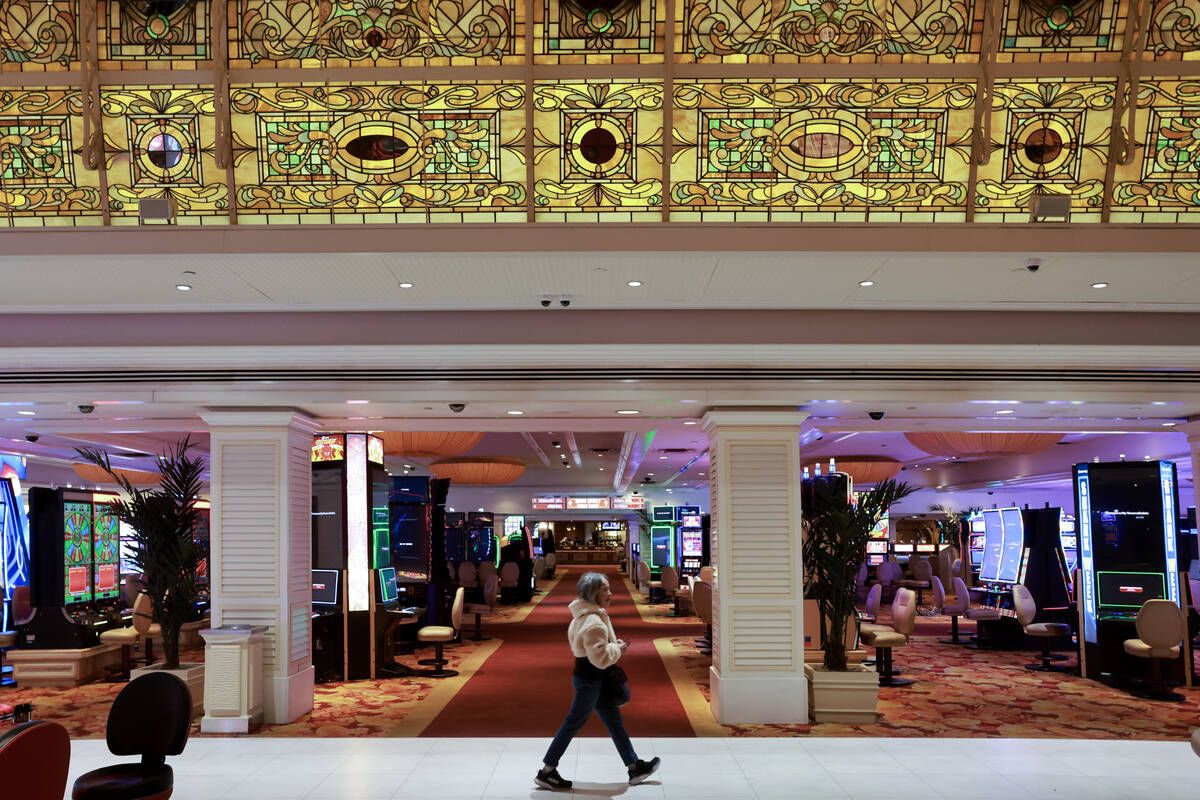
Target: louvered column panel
x: 758, y: 661
x: 261, y: 490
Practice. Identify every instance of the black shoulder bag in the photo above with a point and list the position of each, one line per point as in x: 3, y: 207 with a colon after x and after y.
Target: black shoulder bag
x: 616, y: 685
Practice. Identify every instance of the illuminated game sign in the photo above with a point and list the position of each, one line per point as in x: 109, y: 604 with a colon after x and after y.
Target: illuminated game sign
x: 106, y: 552
x: 629, y: 503
x: 587, y: 503
x: 77, y: 553
x: 328, y: 447
x: 663, y: 514
x: 375, y: 450
x: 692, y: 543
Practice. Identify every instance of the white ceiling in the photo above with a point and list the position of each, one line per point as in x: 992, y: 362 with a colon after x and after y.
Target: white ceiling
x: 598, y: 280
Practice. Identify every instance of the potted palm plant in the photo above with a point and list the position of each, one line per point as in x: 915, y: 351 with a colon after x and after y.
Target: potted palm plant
x: 163, y: 520
x: 835, y: 548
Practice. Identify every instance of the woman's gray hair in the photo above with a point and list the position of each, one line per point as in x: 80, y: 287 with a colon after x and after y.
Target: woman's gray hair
x: 589, y: 585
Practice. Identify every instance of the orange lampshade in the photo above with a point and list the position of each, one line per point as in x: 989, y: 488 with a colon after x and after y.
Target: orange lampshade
x: 862, y: 469
x: 428, y: 444
x: 973, y: 445
x: 478, y: 471
x: 93, y: 474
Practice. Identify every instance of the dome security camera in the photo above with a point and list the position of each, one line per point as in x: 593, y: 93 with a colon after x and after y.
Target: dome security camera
x: 86, y: 408
x: 876, y: 415
x: 1033, y: 264
x: 564, y: 301
x: 545, y: 300
x: 457, y: 408
x: 31, y: 437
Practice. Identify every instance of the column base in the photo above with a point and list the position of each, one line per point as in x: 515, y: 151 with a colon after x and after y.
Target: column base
x: 288, y: 697
x: 760, y: 698
x: 243, y: 724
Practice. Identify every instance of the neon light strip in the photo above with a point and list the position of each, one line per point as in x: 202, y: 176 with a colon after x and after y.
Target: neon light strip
x: 358, y: 579
x: 1086, y: 562
x: 1166, y: 476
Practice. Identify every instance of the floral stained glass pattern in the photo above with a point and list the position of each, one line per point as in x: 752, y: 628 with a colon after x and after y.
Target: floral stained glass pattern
x: 42, y: 178
x: 1162, y: 181
x: 834, y: 150
x: 598, y: 150
x: 599, y: 31
x: 1049, y: 136
x: 330, y: 33
x: 790, y: 31
x: 154, y: 34
x: 1052, y: 30
x: 159, y: 143
x: 380, y: 153
x: 1174, y: 33
x: 38, y: 36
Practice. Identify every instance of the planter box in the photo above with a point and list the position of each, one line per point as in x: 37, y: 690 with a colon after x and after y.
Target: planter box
x: 190, y: 674
x: 848, y: 696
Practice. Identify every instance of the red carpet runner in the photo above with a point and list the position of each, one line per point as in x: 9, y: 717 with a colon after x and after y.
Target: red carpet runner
x: 524, y: 689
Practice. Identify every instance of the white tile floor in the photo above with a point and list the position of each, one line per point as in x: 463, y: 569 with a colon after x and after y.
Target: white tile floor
x: 693, y: 769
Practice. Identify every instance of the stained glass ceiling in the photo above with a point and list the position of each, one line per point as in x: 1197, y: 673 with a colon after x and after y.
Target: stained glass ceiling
x: 267, y: 112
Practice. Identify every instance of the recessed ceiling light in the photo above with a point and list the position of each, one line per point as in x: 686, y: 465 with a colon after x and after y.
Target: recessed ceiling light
x: 634, y: 284
x: 515, y: 413
x: 183, y: 287
x: 866, y: 283
x: 1005, y: 411
x: 1100, y: 285
x: 406, y: 285
x: 357, y: 402
x: 602, y: 469
x: 408, y: 466
x: 1168, y: 424
x: 662, y: 458
x: 628, y: 411
x: 481, y: 511
x: 690, y: 422
x: 27, y: 413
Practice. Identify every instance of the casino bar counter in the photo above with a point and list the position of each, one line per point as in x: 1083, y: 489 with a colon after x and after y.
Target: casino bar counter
x: 590, y: 555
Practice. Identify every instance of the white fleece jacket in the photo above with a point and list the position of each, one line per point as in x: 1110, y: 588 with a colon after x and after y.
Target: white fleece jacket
x: 591, y: 634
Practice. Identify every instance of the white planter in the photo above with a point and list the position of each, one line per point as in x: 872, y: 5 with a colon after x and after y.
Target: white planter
x: 848, y: 696
x: 190, y: 674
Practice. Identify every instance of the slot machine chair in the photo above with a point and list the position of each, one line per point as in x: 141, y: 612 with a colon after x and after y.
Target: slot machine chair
x: 1160, y: 629
x: 922, y: 579
x: 904, y: 619
x: 1026, y: 608
x: 539, y: 568
x: 669, y: 579
x: 149, y: 718
x: 962, y: 602
x: 439, y: 635
x: 551, y: 563
x: 480, y: 609
x: 702, y: 600
x: 510, y: 576
x: 980, y: 614
x: 141, y: 630
x: 22, y: 612
x: 651, y: 588
x: 35, y: 758
x: 887, y: 573
x: 468, y: 575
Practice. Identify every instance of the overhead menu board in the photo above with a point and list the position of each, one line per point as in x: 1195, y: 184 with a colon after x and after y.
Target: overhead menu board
x: 629, y: 503
x: 625, y: 503
x: 587, y: 503
x: 548, y: 503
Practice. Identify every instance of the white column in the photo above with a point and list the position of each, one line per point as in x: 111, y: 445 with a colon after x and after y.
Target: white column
x: 757, y: 674
x: 261, y: 482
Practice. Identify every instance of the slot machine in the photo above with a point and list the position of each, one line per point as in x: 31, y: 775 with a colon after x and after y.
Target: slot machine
x: 662, y: 539
x: 690, y: 540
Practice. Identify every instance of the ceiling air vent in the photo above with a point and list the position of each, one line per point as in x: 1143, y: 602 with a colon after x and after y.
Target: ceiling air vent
x: 675, y: 450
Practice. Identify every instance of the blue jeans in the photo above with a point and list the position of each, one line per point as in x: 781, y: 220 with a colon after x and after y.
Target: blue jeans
x: 589, y: 696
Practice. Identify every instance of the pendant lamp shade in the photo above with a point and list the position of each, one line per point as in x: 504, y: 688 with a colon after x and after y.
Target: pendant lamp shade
x: 861, y: 469
x: 429, y: 444
x: 963, y: 444
x: 93, y: 474
x: 478, y: 471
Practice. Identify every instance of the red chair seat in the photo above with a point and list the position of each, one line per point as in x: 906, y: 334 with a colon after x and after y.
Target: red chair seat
x: 124, y: 782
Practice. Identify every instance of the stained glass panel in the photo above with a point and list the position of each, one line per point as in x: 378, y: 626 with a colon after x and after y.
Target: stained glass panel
x: 159, y: 143
x: 380, y: 153
x: 38, y: 36
x: 1174, y: 32
x: 1049, y: 136
x: 1056, y: 31
x: 805, y: 31
x: 154, y: 34
x: 1162, y: 181
x: 598, y: 150
x: 42, y: 178
x: 599, y: 31
x: 332, y: 33
x: 820, y: 151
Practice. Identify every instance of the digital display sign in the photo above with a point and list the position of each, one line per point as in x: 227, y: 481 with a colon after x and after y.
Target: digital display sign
x: 660, y: 545
x: 548, y: 503
x: 691, y: 521
x: 692, y: 543
x: 1014, y: 545
x: 587, y: 503
x: 329, y: 447
x: 663, y: 514
x: 375, y: 450
x: 106, y: 553
x: 877, y: 546
x: 629, y: 503
x: 77, y: 553
x: 993, y: 546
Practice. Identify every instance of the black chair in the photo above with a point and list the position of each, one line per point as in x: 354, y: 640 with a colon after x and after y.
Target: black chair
x: 150, y: 718
x: 34, y: 760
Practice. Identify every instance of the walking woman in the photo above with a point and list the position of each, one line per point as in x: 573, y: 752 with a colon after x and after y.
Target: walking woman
x: 596, y: 649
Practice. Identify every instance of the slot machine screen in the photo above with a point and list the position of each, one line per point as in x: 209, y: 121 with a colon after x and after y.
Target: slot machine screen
x: 129, y: 549
x: 410, y: 541
x: 660, y: 544
x: 976, y: 558
x: 106, y: 552
x: 388, y: 591
x: 978, y: 525
x: 663, y: 514
x: 877, y: 546
x: 692, y: 543
x: 1069, y: 541
x: 883, y: 528
x: 77, y: 553
x: 977, y: 541
x: 325, y: 587
x: 1129, y: 589
x: 993, y: 546
x: 903, y: 548
x: 691, y: 520
x: 1014, y: 545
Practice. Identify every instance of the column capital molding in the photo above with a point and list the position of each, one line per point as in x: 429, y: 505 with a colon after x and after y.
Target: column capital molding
x: 766, y: 417
x: 259, y: 418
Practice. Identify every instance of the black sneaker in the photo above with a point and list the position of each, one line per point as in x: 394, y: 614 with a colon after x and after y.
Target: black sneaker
x: 642, y: 770
x: 550, y: 779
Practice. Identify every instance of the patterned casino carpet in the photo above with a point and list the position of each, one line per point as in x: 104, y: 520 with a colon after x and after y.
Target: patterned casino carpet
x: 959, y: 693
